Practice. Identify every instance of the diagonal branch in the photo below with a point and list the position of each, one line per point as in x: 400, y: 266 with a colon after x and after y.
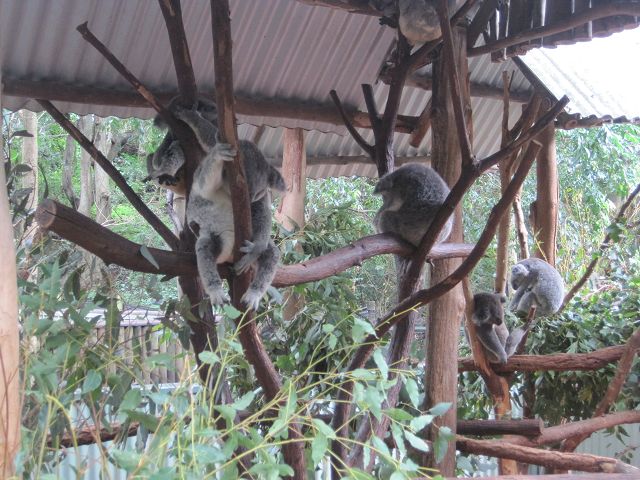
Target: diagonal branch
x: 603, y: 246
x: 172, y: 13
x: 115, y: 175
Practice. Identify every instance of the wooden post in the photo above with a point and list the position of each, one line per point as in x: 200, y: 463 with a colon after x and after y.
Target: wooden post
x: 441, y: 376
x: 546, y: 218
x: 290, y: 213
x: 9, y: 341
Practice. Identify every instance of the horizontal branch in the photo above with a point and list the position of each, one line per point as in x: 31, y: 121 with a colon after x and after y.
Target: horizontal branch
x: 362, y: 7
x: 546, y: 458
x: 572, y: 21
x: 113, y: 248
x: 528, y: 427
x: 245, y: 105
x: 557, y: 362
x: 580, y: 428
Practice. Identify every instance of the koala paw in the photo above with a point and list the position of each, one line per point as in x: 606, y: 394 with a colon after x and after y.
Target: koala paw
x: 251, y: 299
x: 217, y: 295
x: 250, y: 256
x: 223, y: 152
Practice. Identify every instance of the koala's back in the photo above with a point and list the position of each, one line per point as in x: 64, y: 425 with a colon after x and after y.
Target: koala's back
x: 549, y: 287
x: 260, y: 174
x: 412, y: 195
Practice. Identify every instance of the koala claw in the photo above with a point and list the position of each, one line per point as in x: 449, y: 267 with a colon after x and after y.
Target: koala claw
x: 224, y: 152
x: 250, y: 255
x: 217, y: 295
x: 251, y: 299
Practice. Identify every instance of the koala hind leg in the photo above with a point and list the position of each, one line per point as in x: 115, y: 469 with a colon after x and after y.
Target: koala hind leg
x: 208, y: 248
x: 261, y: 226
x: 267, y: 264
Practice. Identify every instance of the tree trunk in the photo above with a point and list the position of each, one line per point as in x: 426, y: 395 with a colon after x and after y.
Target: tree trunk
x: 546, y: 206
x: 290, y: 214
x: 30, y: 155
x: 105, y: 144
x: 441, y: 376
x: 86, y: 126
x: 9, y: 347
x: 68, y: 166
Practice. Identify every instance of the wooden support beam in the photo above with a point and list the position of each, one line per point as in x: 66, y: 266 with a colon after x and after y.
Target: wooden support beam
x: 245, y: 105
x: 572, y: 21
x: 547, y: 198
x: 362, y: 7
x: 115, y: 249
x: 557, y: 362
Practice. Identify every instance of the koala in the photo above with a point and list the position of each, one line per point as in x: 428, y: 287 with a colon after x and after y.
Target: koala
x: 417, y: 19
x: 411, y: 194
x: 165, y: 165
x: 535, y: 282
x: 488, y: 317
x: 209, y: 209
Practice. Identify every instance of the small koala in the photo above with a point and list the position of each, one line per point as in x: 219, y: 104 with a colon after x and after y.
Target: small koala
x: 417, y: 19
x: 488, y: 317
x: 412, y: 195
x: 535, y: 282
x: 165, y: 165
x: 210, y: 214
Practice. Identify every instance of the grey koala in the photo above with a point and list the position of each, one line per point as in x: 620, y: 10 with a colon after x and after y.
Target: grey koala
x: 165, y: 165
x: 209, y: 210
x: 412, y: 195
x: 535, y: 282
x: 488, y: 317
x: 417, y: 19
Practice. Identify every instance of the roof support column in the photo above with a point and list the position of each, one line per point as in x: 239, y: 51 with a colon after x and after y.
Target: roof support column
x: 290, y: 213
x: 9, y: 341
x: 545, y: 210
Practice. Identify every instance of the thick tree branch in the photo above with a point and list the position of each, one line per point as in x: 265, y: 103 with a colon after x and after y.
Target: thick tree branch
x: 454, y: 80
x: 546, y: 458
x: 572, y: 21
x: 558, y: 362
x: 603, y: 247
x: 142, y: 208
x: 249, y: 336
x: 172, y: 13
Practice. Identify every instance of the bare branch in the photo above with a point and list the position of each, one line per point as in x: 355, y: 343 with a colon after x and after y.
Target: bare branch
x: 347, y: 123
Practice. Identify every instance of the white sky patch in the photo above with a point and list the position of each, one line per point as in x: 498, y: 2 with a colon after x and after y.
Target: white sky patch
x: 600, y: 77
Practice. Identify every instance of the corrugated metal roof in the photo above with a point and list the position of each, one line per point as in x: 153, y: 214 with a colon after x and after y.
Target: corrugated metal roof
x: 282, y: 48
x: 600, y: 78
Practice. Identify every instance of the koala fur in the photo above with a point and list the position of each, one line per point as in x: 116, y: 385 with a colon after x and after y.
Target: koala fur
x: 535, y: 282
x: 488, y: 317
x: 412, y: 195
x: 209, y: 209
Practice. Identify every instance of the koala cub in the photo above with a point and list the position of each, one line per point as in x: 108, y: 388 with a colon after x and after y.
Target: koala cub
x: 411, y: 197
x: 165, y: 166
x: 535, y: 282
